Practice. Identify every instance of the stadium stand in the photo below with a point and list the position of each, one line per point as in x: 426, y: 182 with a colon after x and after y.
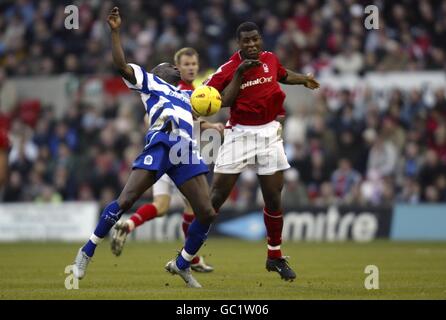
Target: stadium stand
x: 369, y: 148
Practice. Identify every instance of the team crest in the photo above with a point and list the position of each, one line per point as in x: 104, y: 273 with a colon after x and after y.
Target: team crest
x: 148, y: 160
x: 265, y: 68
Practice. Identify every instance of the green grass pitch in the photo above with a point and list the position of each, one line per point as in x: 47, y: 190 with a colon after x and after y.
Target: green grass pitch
x: 325, y: 271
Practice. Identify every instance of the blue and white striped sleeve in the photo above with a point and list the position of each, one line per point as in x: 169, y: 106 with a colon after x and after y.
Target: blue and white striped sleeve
x: 143, y: 83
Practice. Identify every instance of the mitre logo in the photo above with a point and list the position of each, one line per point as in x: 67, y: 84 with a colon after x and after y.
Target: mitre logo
x: 255, y: 82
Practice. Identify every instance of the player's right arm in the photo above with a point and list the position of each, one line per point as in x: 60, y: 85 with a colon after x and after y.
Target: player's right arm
x: 231, y: 91
x: 114, y: 21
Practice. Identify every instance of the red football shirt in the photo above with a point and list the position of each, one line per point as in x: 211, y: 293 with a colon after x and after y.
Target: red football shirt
x: 260, y: 99
x: 182, y: 85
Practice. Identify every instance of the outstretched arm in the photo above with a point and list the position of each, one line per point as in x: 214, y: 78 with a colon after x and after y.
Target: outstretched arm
x: 114, y: 21
x: 204, y: 125
x: 231, y: 91
x: 296, y: 78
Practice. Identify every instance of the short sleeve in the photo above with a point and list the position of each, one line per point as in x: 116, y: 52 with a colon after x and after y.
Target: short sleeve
x: 219, y: 80
x: 281, y: 71
x: 140, y: 75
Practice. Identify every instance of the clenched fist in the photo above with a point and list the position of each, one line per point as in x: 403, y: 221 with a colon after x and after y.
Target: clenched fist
x: 114, y: 19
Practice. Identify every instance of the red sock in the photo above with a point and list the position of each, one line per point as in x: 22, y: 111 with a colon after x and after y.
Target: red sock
x: 187, y: 220
x: 144, y: 213
x: 274, y: 224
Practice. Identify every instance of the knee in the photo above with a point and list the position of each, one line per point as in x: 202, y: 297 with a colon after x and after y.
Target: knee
x: 126, y: 202
x: 188, y: 208
x: 217, y: 198
x: 206, y: 216
x: 162, y: 205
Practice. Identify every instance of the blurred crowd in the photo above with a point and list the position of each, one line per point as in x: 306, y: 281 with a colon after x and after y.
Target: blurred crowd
x: 369, y: 150
x: 318, y: 35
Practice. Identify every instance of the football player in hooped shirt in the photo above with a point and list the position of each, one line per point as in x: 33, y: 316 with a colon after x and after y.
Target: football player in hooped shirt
x: 186, y: 60
x: 253, y: 136
x: 169, y: 116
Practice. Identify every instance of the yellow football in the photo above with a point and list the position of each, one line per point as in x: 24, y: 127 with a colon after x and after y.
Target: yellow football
x: 205, y: 101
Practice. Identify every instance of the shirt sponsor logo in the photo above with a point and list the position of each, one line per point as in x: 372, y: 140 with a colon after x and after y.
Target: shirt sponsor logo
x: 179, y: 96
x: 255, y: 82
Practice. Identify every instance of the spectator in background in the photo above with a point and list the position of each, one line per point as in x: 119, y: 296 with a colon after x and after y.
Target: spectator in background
x: 326, y: 196
x: 348, y: 147
x: 271, y: 32
x: 62, y: 134
x: 393, y: 133
x: 412, y: 108
x: 382, y: 159
x: 431, y: 194
x: 440, y: 184
x: 308, y: 27
x: 316, y: 172
x: 410, y: 191
x: 372, y: 189
x: 350, y: 60
x: 439, y: 142
x: 431, y: 169
x: 79, y: 154
x: 48, y: 194
x: 344, y: 178
x: 409, y: 164
x: 327, y: 137
x: 294, y: 192
x: 395, y: 58
x: 14, y: 189
x: 23, y: 151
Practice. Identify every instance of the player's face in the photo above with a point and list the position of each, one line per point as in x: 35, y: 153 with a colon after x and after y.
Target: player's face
x: 188, y: 66
x: 168, y: 72
x: 250, y: 44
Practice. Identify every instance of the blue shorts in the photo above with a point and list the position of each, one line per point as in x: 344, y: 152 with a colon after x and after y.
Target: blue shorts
x: 177, y: 159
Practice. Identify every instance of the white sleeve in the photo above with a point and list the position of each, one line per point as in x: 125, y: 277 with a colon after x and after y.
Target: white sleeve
x: 139, y: 76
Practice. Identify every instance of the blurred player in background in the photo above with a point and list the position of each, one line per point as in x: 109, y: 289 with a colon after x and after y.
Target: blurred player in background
x: 170, y: 116
x: 186, y: 60
x: 253, y: 136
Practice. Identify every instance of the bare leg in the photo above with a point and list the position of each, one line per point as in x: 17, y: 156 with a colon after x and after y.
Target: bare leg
x: 272, y: 190
x: 196, y: 191
x: 222, y: 185
x: 138, y: 182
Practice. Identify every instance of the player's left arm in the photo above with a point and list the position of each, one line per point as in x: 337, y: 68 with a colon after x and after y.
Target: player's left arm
x: 292, y: 77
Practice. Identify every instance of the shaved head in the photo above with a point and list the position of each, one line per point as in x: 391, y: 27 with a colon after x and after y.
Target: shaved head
x: 168, y: 72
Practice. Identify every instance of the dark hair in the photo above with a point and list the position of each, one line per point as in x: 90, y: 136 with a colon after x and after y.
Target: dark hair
x: 246, y: 26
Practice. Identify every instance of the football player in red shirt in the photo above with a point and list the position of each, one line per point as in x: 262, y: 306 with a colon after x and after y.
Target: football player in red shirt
x: 252, y: 136
x: 186, y: 60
